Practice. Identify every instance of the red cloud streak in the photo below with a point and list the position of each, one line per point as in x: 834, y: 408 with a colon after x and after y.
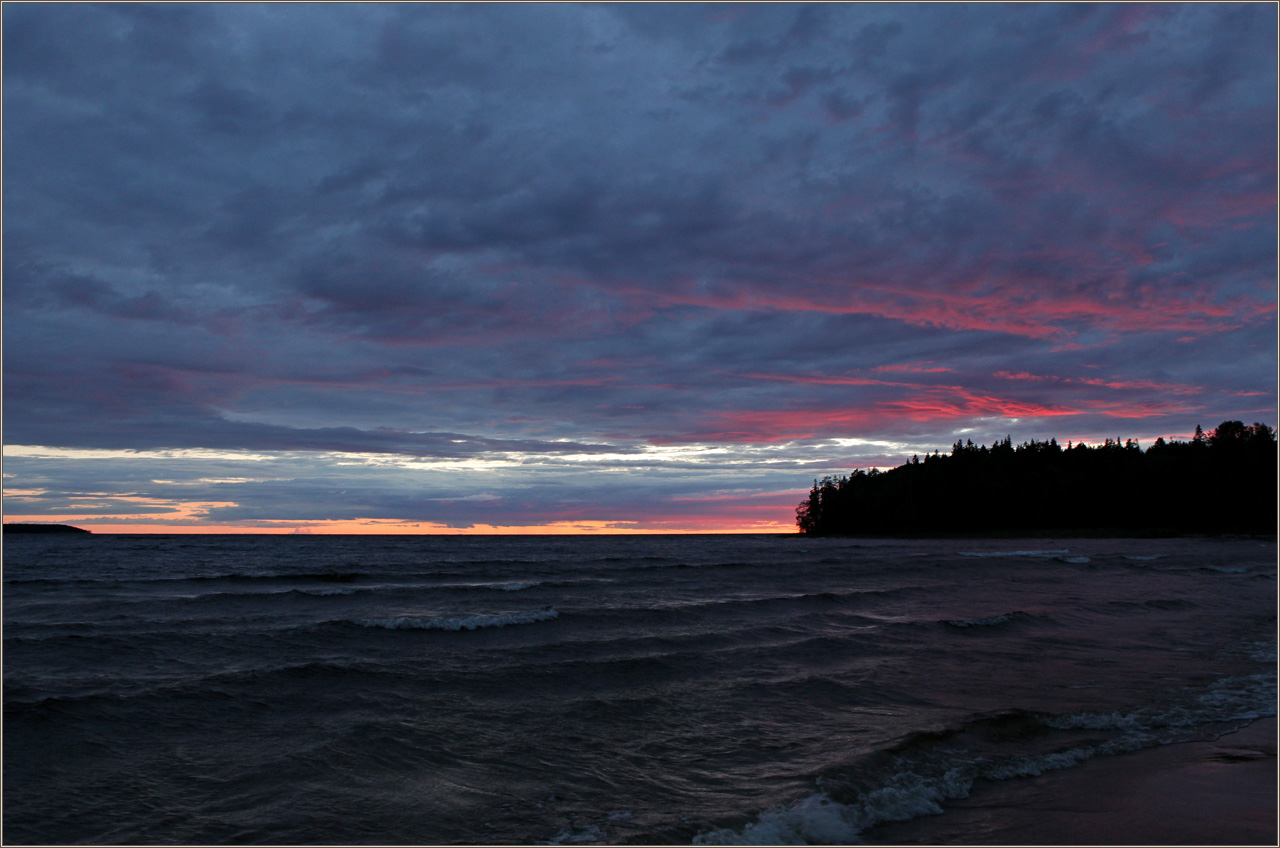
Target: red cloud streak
x: 1023, y: 307
x: 929, y: 404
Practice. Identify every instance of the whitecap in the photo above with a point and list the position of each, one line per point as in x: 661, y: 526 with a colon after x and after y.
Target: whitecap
x: 516, y: 587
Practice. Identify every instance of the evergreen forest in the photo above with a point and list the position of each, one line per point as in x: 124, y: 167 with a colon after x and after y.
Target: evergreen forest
x: 1222, y: 482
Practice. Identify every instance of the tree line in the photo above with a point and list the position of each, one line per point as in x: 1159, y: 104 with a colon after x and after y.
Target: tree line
x: 1220, y: 482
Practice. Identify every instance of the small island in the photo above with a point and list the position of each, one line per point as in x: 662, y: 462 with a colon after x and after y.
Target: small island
x: 43, y: 528
x: 1220, y: 482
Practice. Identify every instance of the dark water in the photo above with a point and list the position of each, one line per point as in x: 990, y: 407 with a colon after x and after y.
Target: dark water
x: 429, y: 690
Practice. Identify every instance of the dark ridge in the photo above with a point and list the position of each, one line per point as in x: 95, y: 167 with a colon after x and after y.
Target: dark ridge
x: 1223, y: 482
x: 42, y: 528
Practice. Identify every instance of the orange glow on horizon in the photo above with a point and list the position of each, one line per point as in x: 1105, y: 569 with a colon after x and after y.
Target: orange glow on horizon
x: 102, y: 524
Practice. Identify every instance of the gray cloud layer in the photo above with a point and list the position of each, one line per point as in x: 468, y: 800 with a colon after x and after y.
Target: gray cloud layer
x: 479, y: 230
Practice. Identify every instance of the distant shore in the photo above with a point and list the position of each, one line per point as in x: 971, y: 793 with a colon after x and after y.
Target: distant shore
x: 43, y: 528
x: 1221, y: 792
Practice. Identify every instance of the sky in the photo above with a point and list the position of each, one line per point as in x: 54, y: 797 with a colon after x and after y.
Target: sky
x: 613, y: 268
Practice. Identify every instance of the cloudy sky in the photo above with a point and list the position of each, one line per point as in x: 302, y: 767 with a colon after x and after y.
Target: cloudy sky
x: 515, y: 268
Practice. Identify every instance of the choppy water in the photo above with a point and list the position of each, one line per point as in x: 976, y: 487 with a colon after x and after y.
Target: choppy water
x: 428, y: 690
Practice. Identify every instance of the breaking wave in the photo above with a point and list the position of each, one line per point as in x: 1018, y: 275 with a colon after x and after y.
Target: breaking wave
x: 914, y: 777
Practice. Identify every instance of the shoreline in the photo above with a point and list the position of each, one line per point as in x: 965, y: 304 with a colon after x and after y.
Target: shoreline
x: 1220, y: 792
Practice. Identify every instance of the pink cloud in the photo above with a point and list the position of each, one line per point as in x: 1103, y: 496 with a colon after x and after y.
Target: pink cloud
x: 1027, y: 307
x: 1125, y: 385
x: 930, y: 404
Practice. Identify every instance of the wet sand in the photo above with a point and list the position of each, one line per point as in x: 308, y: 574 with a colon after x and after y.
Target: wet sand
x: 1195, y: 793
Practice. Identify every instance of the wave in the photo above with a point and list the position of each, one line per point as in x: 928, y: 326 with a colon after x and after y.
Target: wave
x: 513, y: 586
x: 272, y: 576
x: 1048, y: 554
x: 252, y: 595
x: 495, y: 561
x: 1260, y: 650
x: 838, y: 815
x: 1059, y: 555
x: 811, y: 598
x: 264, y: 578
x: 924, y: 769
x: 660, y: 563
x: 759, y: 611
x: 55, y: 581
x: 988, y: 621
x: 229, y: 577
x: 1229, y: 700
x: 144, y: 693
x: 1154, y: 603
x: 470, y: 622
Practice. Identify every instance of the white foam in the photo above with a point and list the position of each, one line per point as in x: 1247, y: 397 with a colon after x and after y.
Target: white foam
x: 1078, y: 560
x: 816, y: 819
x: 1030, y: 766
x: 471, y: 622
x: 820, y: 820
x: 1229, y: 699
x: 590, y: 833
x: 1249, y: 696
x: 1138, y: 720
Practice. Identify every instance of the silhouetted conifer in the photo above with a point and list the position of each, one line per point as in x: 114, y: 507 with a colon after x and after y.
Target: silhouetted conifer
x: 1222, y: 482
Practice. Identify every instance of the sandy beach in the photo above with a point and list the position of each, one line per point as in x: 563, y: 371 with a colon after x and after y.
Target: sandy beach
x: 1197, y: 793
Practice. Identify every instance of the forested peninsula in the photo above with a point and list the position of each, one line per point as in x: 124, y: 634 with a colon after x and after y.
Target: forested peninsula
x: 1222, y: 482
x: 43, y: 528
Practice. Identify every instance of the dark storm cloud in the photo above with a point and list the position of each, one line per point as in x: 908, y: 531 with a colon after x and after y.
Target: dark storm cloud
x: 464, y: 230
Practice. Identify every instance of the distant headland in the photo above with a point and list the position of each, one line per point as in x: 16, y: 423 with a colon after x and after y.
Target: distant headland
x: 42, y: 528
x: 1222, y: 482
